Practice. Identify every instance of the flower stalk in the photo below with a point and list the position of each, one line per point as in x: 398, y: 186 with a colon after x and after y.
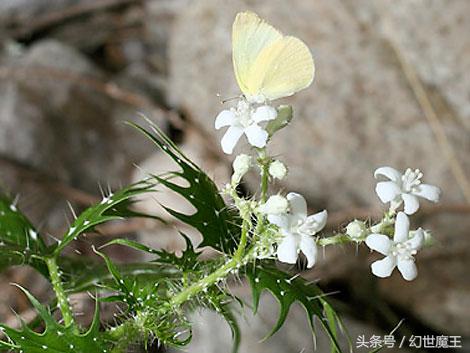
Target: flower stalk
x: 62, y: 299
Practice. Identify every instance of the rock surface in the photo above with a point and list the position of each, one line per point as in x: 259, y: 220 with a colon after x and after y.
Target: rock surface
x: 62, y: 126
x: 212, y: 335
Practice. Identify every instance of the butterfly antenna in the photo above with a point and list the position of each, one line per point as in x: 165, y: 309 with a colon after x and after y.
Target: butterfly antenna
x: 223, y: 101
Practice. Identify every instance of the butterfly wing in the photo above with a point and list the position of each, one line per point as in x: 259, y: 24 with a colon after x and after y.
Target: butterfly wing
x: 250, y: 35
x: 282, y: 69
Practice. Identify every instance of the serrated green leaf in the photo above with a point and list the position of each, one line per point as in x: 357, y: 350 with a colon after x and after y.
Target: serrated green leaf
x: 19, y: 241
x: 288, y: 290
x: 113, y: 207
x: 218, y: 224
x: 55, y: 338
x: 226, y: 312
x: 188, y: 261
x: 89, y: 276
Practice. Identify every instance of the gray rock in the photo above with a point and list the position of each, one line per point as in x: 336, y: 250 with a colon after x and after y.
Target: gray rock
x: 212, y: 335
x: 51, y: 119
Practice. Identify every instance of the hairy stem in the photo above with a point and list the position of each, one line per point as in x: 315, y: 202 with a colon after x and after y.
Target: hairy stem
x: 264, y: 165
x: 221, y: 273
x: 125, y: 334
x: 243, y: 240
x: 62, y: 300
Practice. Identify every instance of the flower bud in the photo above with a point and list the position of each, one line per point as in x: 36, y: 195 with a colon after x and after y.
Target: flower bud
x: 356, y: 230
x: 283, y: 118
x: 275, y: 205
x: 241, y: 165
x: 277, y: 170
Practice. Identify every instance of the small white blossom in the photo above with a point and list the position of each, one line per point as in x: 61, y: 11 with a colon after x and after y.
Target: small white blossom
x: 277, y: 170
x: 297, y: 229
x: 275, y: 205
x: 398, y: 252
x: 244, y: 120
x: 241, y: 165
x: 356, y: 230
x: 404, y: 188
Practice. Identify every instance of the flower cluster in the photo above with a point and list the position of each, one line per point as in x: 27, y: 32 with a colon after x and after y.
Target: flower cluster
x: 296, y: 231
x: 400, y: 250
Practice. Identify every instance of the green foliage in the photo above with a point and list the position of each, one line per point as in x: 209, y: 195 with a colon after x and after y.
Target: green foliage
x: 55, y: 338
x: 159, y: 293
x: 288, y: 290
x: 218, y: 224
x: 113, y: 207
x: 19, y: 241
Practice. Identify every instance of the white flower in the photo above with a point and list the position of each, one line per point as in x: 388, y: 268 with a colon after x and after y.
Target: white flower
x: 297, y: 230
x: 277, y: 170
x: 275, y: 205
x: 404, y: 188
x: 244, y: 120
x: 356, y: 230
x: 241, y: 165
x: 398, y: 252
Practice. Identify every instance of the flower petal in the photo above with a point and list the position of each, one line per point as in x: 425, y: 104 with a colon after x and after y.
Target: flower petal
x: 282, y: 221
x: 298, y: 205
x: 389, y: 172
x: 231, y: 138
x: 319, y: 220
x: 380, y: 243
x: 387, y: 191
x: 225, y: 118
x: 287, y: 250
x: 417, y: 241
x: 402, y: 227
x: 411, y: 203
x: 384, y: 268
x: 309, y: 248
x: 407, y: 269
x: 256, y: 136
x: 264, y: 113
x: 429, y: 192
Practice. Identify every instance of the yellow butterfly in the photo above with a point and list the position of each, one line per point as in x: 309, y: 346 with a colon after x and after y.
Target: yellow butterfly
x: 267, y: 64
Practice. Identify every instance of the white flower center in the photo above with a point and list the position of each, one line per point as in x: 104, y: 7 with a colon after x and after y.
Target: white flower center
x: 305, y: 227
x: 244, y: 113
x: 403, y: 251
x: 411, y: 179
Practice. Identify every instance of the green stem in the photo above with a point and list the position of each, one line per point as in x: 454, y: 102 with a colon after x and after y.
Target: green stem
x: 124, y: 334
x: 62, y: 300
x: 243, y: 240
x: 204, y: 283
x: 264, y: 165
x: 335, y: 239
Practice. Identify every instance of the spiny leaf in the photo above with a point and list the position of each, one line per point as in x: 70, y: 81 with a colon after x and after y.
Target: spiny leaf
x: 213, y: 219
x: 86, y: 276
x: 224, y: 309
x: 55, y: 338
x: 287, y: 290
x: 188, y: 261
x: 19, y: 241
x: 112, y: 207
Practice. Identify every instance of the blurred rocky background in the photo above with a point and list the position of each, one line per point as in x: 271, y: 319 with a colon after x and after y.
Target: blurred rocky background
x: 391, y: 88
